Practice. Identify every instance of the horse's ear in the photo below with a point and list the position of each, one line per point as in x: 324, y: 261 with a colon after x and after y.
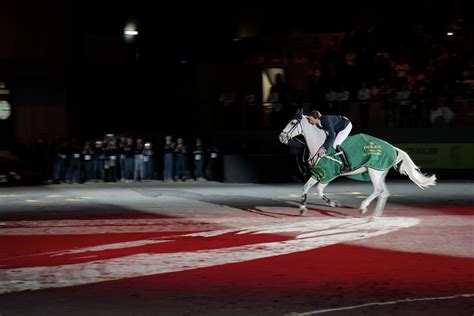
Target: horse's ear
x: 299, y: 113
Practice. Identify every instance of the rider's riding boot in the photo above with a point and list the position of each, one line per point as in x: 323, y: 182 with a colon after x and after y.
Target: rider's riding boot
x: 346, y: 166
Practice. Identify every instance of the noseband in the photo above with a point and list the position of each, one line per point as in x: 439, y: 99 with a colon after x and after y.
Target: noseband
x: 288, y: 138
x: 286, y: 134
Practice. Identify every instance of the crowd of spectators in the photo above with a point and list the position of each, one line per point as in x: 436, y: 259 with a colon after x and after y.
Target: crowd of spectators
x: 112, y: 159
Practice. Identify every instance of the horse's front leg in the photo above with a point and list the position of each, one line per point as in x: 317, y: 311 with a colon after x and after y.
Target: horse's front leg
x: 320, y: 189
x: 304, y: 196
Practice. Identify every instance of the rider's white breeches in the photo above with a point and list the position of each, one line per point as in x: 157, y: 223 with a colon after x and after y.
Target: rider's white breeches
x: 342, y: 135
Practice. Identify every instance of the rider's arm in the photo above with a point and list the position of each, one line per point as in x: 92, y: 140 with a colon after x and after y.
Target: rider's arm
x: 329, y: 127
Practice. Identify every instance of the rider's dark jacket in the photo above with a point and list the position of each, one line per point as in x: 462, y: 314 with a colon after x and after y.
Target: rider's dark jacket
x: 333, y: 124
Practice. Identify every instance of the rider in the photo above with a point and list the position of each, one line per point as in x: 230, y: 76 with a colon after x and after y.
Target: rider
x: 338, y: 128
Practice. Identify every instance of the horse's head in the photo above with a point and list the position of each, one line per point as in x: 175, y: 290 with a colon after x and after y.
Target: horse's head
x: 293, y: 128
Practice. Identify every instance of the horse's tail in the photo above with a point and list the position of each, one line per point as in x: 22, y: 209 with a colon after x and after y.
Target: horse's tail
x: 408, y: 167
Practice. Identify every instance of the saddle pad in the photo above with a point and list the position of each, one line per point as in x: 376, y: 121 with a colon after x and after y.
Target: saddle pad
x: 361, y: 150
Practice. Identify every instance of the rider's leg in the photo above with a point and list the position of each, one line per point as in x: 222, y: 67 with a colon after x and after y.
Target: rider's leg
x: 340, y: 137
x: 346, y: 166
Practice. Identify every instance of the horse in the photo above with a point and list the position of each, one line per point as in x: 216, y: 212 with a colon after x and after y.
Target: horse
x: 375, y: 148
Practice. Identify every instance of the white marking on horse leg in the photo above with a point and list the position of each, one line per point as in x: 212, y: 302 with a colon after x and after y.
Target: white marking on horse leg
x: 308, y: 185
x: 362, y: 210
x: 376, y: 177
x: 379, y: 207
x: 382, y: 199
x: 320, y: 190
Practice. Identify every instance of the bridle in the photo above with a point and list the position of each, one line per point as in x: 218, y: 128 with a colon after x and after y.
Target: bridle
x: 288, y: 138
x: 287, y: 134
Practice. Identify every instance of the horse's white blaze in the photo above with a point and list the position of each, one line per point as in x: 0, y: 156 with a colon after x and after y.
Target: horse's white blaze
x: 324, y: 233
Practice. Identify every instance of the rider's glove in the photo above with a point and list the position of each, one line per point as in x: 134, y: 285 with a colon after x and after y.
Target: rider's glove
x: 321, y: 151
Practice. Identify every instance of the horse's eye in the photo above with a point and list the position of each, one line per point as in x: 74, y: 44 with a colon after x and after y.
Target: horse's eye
x: 293, y: 123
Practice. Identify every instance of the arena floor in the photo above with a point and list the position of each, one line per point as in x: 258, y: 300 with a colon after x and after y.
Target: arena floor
x: 206, y: 248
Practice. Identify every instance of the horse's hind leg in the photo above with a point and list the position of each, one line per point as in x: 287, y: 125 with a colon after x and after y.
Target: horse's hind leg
x: 382, y: 199
x: 377, y: 178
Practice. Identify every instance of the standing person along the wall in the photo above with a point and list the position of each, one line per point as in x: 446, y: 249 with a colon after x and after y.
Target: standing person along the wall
x: 199, y: 161
x: 99, y: 161
x: 138, y: 172
x: 88, y: 156
x: 129, y: 153
x: 73, y: 171
x: 121, y: 153
x: 168, y: 159
x: 181, y: 152
x: 148, y: 161
x: 111, y: 162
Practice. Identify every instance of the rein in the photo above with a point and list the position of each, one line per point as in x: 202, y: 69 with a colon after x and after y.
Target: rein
x: 303, y: 169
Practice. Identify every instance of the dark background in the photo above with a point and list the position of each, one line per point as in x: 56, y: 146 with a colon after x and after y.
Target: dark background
x: 72, y: 55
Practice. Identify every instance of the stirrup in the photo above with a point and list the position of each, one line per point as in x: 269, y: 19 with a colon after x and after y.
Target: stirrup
x: 346, y: 169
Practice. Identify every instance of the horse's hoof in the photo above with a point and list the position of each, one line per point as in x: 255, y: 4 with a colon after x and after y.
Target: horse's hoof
x: 334, y: 204
x: 303, y: 210
x: 363, y: 210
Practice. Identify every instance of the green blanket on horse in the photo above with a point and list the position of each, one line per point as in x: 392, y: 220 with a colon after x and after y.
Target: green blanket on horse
x: 361, y: 151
